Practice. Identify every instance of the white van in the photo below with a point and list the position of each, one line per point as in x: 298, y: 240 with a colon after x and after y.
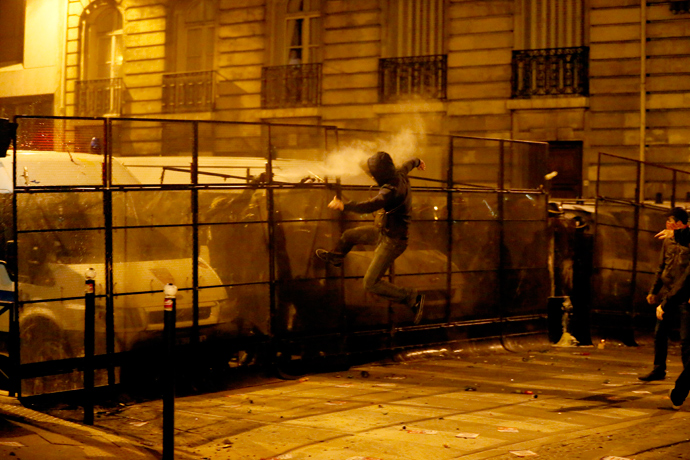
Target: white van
x: 59, y: 247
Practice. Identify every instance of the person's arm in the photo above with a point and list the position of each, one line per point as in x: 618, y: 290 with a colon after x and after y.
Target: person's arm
x: 409, y: 165
x: 679, y: 294
x: 658, y: 283
x: 364, y: 207
x: 372, y: 204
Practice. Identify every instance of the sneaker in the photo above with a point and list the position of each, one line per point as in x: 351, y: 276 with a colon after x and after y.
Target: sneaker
x: 673, y: 402
x: 418, y: 308
x: 329, y: 257
x: 654, y: 375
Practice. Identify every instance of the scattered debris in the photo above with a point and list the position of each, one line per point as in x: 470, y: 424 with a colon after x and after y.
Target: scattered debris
x: 303, y: 379
x: 642, y: 392
x: 11, y: 444
x: 138, y: 424
x: 364, y: 374
x: 507, y: 429
x: 523, y: 453
x: 422, y: 431
x: 470, y: 389
x: 467, y: 435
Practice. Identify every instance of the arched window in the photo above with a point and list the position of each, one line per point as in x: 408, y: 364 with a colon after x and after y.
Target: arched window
x: 99, y: 91
x: 103, y: 44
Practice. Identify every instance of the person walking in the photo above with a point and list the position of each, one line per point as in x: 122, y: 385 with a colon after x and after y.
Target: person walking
x: 673, y: 261
x: 676, y: 301
x: 390, y: 233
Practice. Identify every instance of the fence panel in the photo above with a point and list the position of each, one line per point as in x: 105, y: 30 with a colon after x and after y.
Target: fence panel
x: 232, y: 213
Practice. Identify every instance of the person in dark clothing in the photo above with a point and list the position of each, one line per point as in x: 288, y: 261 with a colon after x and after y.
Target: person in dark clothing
x: 393, y: 202
x: 673, y: 261
x: 677, y: 301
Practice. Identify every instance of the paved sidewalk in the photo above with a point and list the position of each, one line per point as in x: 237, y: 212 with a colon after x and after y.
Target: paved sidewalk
x: 26, y: 434
x: 554, y: 403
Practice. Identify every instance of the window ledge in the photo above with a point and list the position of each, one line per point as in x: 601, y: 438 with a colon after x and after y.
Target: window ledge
x: 548, y: 103
x: 295, y: 112
x: 414, y: 106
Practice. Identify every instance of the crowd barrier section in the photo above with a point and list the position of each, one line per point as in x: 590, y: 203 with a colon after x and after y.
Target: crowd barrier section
x: 231, y: 214
x: 633, y: 201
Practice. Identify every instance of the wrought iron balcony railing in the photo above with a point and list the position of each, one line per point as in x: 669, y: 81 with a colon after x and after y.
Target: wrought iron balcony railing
x: 189, y: 92
x: 550, y: 72
x: 96, y: 98
x: 408, y: 78
x: 291, y: 86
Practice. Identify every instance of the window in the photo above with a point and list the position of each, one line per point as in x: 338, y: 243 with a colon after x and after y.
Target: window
x: 99, y: 92
x: 195, y: 27
x: 543, y: 24
x: 12, y: 32
x: 190, y: 86
x: 416, y: 67
x: 296, y: 79
x: 103, y: 50
x: 550, y: 57
x: 415, y: 28
x: 303, y: 32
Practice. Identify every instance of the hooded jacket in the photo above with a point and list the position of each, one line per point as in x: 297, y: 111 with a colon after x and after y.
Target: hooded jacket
x: 394, y: 195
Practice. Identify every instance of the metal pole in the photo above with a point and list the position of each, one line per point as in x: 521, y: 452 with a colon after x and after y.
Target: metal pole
x: 170, y: 291
x: 502, y: 248
x: 449, y: 229
x: 195, y: 238
x: 89, y: 334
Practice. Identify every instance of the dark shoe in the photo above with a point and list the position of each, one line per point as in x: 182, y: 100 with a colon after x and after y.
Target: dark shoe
x: 330, y: 257
x: 675, y: 404
x: 418, y: 308
x: 654, y: 375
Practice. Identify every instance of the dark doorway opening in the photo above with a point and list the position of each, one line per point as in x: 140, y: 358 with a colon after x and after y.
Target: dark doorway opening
x: 566, y: 158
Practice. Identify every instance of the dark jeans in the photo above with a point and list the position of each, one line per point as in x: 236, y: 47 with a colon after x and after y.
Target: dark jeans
x: 661, y: 333
x: 683, y: 381
x: 387, y: 250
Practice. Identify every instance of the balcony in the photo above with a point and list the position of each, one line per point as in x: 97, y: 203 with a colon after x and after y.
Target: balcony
x: 290, y: 86
x: 188, y: 92
x: 98, y: 98
x: 550, y: 72
x: 420, y: 77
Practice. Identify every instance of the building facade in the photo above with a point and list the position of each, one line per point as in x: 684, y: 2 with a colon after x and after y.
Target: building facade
x: 587, y: 76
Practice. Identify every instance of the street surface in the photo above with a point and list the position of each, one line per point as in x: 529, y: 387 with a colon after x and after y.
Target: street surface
x: 551, y: 403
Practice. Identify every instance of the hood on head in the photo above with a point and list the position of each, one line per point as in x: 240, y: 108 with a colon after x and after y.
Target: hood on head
x: 381, y: 167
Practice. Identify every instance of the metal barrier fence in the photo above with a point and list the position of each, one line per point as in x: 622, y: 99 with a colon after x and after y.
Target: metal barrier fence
x: 633, y: 201
x: 231, y: 213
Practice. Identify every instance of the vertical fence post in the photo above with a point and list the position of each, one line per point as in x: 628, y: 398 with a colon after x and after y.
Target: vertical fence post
x: 502, y: 248
x: 108, y: 224
x: 639, y: 197
x: 89, y: 335
x: 195, y: 238
x: 449, y: 228
x: 170, y: 291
